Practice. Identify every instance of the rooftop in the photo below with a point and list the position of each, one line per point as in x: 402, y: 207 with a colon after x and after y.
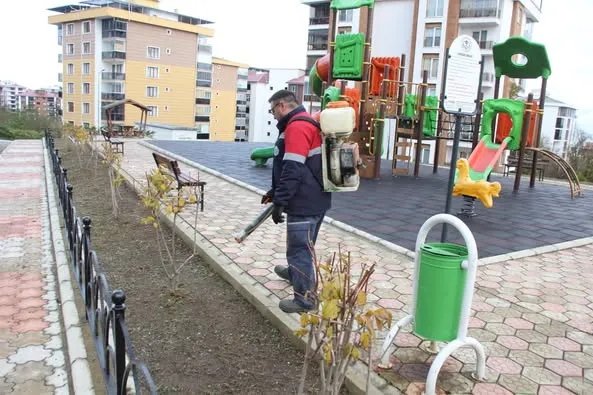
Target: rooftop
x: 127, y: 6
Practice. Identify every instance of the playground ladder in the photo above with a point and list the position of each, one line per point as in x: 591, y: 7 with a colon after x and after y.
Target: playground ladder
x: 402, y: 151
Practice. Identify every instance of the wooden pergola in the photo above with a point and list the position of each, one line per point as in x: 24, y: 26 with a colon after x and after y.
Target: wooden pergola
x: 143, y: 113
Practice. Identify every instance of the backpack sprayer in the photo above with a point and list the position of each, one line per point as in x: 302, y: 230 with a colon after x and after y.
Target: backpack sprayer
x: 340, y: 158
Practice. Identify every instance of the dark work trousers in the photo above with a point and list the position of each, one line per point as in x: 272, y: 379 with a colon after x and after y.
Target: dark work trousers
x: 301, y: 235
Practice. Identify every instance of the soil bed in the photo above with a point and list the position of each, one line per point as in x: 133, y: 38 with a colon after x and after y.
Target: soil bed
x: 211, y: 340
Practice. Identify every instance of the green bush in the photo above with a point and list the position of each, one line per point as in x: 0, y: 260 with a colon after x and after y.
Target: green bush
x: 15, y: 134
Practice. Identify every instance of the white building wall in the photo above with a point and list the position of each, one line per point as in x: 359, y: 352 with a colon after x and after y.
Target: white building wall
x: 262, y: 125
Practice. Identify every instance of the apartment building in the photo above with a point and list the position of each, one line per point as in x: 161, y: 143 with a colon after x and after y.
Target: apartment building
x: 114, y: 50
x: 228, y: 99
x: 422, y: 30
x: 558, y: 126
x: 262, y: 83
x: 9, y: 95
x: 44, y: 102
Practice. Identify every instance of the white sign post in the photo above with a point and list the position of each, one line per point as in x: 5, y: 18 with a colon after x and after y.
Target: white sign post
x: 463, y: 81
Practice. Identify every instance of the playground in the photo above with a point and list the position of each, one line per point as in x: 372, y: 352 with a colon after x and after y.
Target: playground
x: 394, y: 208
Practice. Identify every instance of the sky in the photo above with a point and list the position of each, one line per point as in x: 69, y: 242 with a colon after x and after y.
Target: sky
x: 273, y: 33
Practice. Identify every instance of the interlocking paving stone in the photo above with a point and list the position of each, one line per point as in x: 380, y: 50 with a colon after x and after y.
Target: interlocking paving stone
x: 30, y: 360
x: 516, y: 321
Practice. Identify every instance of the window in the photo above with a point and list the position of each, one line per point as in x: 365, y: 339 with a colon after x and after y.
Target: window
x: 153, y: 111
x: 153, y: 53
x: 86, y: 125
x: 345, y: 16
x: 70, y: 88
x: 431, y: 64
x: 481, y: 37
x: 434, y: 8
x: 70, y: 106
x: 70, y: 29
x: 70, y: 49
x: 86, y: 88
x: 558, y: 134
x: 71, y: 123
x: 86, y: 68
x: 432, y: 36
x: 86, y: 27
x: 152, y: 72
x: 559, y: 123
x: 344, y: 30
x: 70, y: 69
x: 86, y: 108
x: 86, y: 48
x: 431, y: 91
x: 152, y: 91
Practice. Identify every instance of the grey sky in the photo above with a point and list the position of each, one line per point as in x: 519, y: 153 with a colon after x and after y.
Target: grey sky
x: 273, y: 33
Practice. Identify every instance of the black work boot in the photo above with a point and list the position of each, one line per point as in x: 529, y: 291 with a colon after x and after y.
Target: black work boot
x: 283, y: 272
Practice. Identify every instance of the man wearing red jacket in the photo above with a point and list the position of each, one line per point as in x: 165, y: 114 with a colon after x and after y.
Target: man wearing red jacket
x: 297, y: 190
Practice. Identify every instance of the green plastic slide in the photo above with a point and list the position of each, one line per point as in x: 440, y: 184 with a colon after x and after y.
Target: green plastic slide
x: 538, y: 64
x: 514, y: 108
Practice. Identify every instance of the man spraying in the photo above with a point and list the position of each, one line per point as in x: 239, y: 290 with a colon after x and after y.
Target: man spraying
x: 297, y: 190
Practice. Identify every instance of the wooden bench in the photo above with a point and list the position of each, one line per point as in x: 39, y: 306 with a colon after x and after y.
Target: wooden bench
x: 116, y: 144
x: 513, y: 161
x: 182, y: 180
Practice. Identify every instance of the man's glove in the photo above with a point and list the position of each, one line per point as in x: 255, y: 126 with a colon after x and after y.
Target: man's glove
x: 267, y: 197
x: 277, y: 216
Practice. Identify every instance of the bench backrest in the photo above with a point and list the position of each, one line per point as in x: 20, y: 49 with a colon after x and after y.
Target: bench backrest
x: 170, y: 164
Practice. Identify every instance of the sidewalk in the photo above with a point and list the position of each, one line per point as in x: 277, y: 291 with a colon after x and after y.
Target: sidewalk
x: 533, y: 315
x: 32, y: 352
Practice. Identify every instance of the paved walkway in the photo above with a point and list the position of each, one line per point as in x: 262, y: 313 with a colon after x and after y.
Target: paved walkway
x: 533, y: 315
x: 32, y: 352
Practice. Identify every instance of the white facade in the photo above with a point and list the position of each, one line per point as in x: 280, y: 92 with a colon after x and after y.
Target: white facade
x: 9, y: 95
x: 262, y: 125
x: 558, y: 126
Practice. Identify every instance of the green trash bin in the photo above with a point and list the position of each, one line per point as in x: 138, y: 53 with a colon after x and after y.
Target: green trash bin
x: 441, y: 283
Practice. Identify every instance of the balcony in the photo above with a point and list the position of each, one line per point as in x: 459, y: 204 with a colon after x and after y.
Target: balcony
x: 487, y: 45
x: 114, y: 117
x: 317, y: 47
x: 113, y: 96
x: 200, y: 100
x: 60, y: 77
x: 114, y: 34
x: 319, y: 20
x: 113, y: 55
x: 479, y: 16
x: 311, y: 98
x: 202, y: 118
x: 106, y: 76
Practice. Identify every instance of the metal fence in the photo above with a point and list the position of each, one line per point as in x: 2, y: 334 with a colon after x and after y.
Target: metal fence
x: 104, y: 310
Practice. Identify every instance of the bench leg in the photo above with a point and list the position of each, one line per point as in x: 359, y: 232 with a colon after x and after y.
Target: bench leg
x: 202, y: 198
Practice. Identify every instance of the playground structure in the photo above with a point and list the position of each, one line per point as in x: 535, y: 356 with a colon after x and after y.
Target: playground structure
x: 519, y: 122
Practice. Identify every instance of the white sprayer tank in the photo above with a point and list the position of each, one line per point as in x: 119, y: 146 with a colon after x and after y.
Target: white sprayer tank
x: 338, y: 119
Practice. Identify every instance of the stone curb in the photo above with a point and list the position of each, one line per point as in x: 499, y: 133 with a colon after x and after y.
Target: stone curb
x: 374, y: 239
x: 262, y: 299
x: 80, y: 372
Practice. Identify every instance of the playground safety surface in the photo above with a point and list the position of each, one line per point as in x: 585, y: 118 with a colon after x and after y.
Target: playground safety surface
x: 533, y: 315
x: 394, y: 208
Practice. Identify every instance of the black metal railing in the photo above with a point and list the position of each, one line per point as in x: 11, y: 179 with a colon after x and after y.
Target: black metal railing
x: 319, y: 20
x: 104, y: 310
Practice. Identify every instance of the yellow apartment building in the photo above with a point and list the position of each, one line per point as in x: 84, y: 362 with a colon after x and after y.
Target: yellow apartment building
x: 116, y: 50
x: 228, y: 100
